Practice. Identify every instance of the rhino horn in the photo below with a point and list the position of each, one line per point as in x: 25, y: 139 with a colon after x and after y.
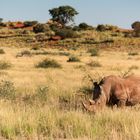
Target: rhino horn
x: 88, y: 107
x: 92, y: 102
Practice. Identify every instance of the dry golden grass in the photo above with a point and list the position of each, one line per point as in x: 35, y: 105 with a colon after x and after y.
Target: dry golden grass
x: 62, y: 116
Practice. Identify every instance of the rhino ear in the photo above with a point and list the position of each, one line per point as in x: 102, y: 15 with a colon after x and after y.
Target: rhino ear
x: 95, y: 84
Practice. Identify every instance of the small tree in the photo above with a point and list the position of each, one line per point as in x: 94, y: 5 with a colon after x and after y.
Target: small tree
x: 63, y: 14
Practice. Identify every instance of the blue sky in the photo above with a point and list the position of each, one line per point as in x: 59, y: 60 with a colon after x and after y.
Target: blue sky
x: 117, y: 12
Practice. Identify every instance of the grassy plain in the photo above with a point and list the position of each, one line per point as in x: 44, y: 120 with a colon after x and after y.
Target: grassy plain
x: 45, y: 103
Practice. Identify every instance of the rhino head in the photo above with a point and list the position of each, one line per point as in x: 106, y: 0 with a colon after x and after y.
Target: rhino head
x: 99, y: 98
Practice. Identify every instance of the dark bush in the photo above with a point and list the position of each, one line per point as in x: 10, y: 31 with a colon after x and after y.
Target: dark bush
x: 2, y: 51
x: 101, y: 28
x: 85, y: 26
x: 106, y: 27
x: 30, y: 23
x: 2, y: 24
x: 48, y: 63
x: 41, y: 28
x: 66, y: 33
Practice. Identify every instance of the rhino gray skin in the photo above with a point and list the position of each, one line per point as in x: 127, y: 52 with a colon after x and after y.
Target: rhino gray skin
x: 114, y: 90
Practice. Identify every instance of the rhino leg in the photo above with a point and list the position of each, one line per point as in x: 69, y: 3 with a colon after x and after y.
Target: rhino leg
x: 121, y: 103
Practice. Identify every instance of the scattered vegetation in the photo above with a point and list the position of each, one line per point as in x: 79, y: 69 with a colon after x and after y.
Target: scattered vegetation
x: 54, y: 111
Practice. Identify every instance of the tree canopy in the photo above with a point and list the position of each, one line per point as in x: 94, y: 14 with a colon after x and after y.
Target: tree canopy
x: 63, y: 14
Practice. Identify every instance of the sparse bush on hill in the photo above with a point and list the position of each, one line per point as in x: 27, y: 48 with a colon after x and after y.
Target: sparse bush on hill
x: 39, y: 28
x: 85, y: 26
x: 107, y: 27
x: 48, y: 63
x: 2, y: 24
x: 66, y: 33
x: 30, y: 23
x: 101, y: 28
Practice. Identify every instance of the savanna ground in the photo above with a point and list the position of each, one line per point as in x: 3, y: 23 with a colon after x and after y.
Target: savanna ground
x: 45, y: 103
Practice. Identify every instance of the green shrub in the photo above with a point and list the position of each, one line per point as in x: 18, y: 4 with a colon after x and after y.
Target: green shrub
x: 85, y: 26
x: 39, y: 28
x: 2, y: 51
x: 94, y: 52
x: 66, y: 33
x: 7, y: 90
x: 30, y: 23
x: 4, y: 65
x: 73, y: 59
x: 48, y: 63
x: 101, y: 28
